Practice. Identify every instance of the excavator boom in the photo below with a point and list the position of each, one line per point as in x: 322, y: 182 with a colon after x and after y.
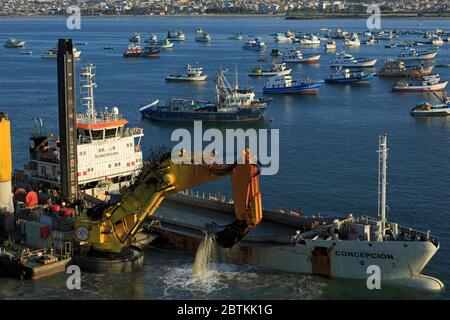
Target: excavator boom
x: 111, y: 228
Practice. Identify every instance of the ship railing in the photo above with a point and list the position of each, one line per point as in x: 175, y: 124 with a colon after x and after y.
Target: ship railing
x: 43, y: 159
x: 103, y: 117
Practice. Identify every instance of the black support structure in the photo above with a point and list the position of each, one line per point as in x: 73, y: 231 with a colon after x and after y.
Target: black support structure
x: 67, y: 120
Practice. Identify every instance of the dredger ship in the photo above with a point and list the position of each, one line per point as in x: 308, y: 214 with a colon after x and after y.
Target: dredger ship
x: 104, y: 237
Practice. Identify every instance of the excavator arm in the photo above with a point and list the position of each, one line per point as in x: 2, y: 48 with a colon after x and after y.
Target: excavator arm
x: 111, y: 228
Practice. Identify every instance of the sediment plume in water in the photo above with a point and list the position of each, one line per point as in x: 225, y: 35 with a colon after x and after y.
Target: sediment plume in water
x: 204, y: 257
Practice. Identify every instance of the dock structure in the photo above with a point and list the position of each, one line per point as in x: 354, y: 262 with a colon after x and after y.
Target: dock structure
x: 67, y: 120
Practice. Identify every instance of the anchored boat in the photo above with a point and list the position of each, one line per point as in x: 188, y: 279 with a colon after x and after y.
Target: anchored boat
x: 413, y: 54
x: 330, y: 45
x: 13, y: 43
x: 285, y: 84
x: 345, y: 76
x: 296, y: 56
x: 202, y: 36
x: 276, y: 69
x: 346, y: 60
x: 256, y: 44
x: 397, y: 69
x: 176, y: 35
x: 53, y: 53
x: 427, y: 83
x: 191, y: 74
x: 232, y: 104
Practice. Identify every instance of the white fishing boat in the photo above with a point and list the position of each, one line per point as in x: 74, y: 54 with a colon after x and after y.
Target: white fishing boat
x: 276, y: 69
x: 236, y: 36
x: 136, y: 38
x: 427, y: 83
x: 13, y: 43
x: 202, y: 36
x: 296, y: 56
x: 166, y: 44
x: 287, y: 85
x: 413, y: 54
x: 346, y: 60
x: 424, y: 108
x: 153, y: 39
x: 330, y: 45
x: 311, y: 40
x: 191, y: 74
x: 437, y: 41
x: 53, y: 53
x: 176, y: 35
x: 281, y: 37
x: 352, y: 41
x: 256, y: 44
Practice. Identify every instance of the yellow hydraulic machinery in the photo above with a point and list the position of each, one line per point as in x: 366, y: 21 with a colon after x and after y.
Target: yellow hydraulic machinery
x: 6, y: 203
x: 110, y: 229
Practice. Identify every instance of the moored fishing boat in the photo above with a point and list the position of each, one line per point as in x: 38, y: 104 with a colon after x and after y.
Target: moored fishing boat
x: 346, y: 60
x: 236, y: 36
x: 135, y: 51
x: 296, y: 56
x: 202, y: 36
x: 397, y: 69
x: 427, y: 83
x: 191, y: 74
x: 14, y: 43
x: 285, y: 84
x: 413, y: 54
x: 310, y: 40
x: 256, y: 44
x: 136, y: 38
x: 166, y: 44
x: 345, y: 76
x: 352, y: 41
x: 426, y: 109
x: 232, y: 104
x: 176, y: 35
x: 276, y: 69
x: 281, y: 37
x: 53, y: 53
x: 330, y: 45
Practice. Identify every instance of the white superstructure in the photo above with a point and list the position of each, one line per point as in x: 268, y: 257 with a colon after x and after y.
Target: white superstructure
x: 108, y: 153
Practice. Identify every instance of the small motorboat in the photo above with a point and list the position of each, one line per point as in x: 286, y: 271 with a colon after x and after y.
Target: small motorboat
x: 285, y: 84
x: 428, y: 83
x: 166, y: 44
x: 281, y: 37
x: 136, y: 38
x: 53, y: 53
x: 330, y: 45
x: 192, y: 74
x: 345, y: 76
x: 202, y: 36
x: 426, y: 109
x: 311, y: 40
x: 14, y: 43
x: 236, y: 36
x: 352, y: 41
x: 276, y: 69
x: 256, y: 44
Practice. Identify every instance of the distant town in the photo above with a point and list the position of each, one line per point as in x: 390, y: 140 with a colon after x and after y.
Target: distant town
x: 290, y: 8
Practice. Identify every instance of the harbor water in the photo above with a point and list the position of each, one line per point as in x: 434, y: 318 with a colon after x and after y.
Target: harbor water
x: 328, y: 159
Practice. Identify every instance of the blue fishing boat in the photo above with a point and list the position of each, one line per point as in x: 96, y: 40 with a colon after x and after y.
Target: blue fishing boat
x: 285, y: 84
x: 345, y: 76
x: 233, y: 104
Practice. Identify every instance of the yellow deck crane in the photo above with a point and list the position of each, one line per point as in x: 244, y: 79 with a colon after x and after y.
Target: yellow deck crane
x: 109, y: 229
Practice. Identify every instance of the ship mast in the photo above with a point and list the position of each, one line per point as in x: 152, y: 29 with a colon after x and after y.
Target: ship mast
x: 382, y: 180
x: 88, y: 85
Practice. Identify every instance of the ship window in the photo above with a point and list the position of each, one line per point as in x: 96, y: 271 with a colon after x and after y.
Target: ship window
x: 109, y: 165
x: 97, y: 134
x: 110, y: 133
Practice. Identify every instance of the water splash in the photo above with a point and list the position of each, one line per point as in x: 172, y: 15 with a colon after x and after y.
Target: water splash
x: 204, y: 258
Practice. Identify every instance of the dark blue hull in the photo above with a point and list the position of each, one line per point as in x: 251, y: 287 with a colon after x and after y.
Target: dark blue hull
x: 354, y: 80
x: 244, y: 114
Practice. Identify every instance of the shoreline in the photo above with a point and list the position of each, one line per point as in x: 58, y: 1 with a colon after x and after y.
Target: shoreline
x: 311, y: 16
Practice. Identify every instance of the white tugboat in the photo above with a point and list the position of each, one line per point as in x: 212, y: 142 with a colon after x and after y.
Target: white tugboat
x: 109, y: 153
x: 191, y: 74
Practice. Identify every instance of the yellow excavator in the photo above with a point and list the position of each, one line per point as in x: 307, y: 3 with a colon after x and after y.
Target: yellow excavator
x: 109, y: 229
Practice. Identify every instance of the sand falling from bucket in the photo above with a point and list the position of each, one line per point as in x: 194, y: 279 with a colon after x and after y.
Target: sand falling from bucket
x: 204, y: 257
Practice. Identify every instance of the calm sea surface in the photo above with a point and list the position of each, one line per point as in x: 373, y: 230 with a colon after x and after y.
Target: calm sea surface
x: 328, y: 142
